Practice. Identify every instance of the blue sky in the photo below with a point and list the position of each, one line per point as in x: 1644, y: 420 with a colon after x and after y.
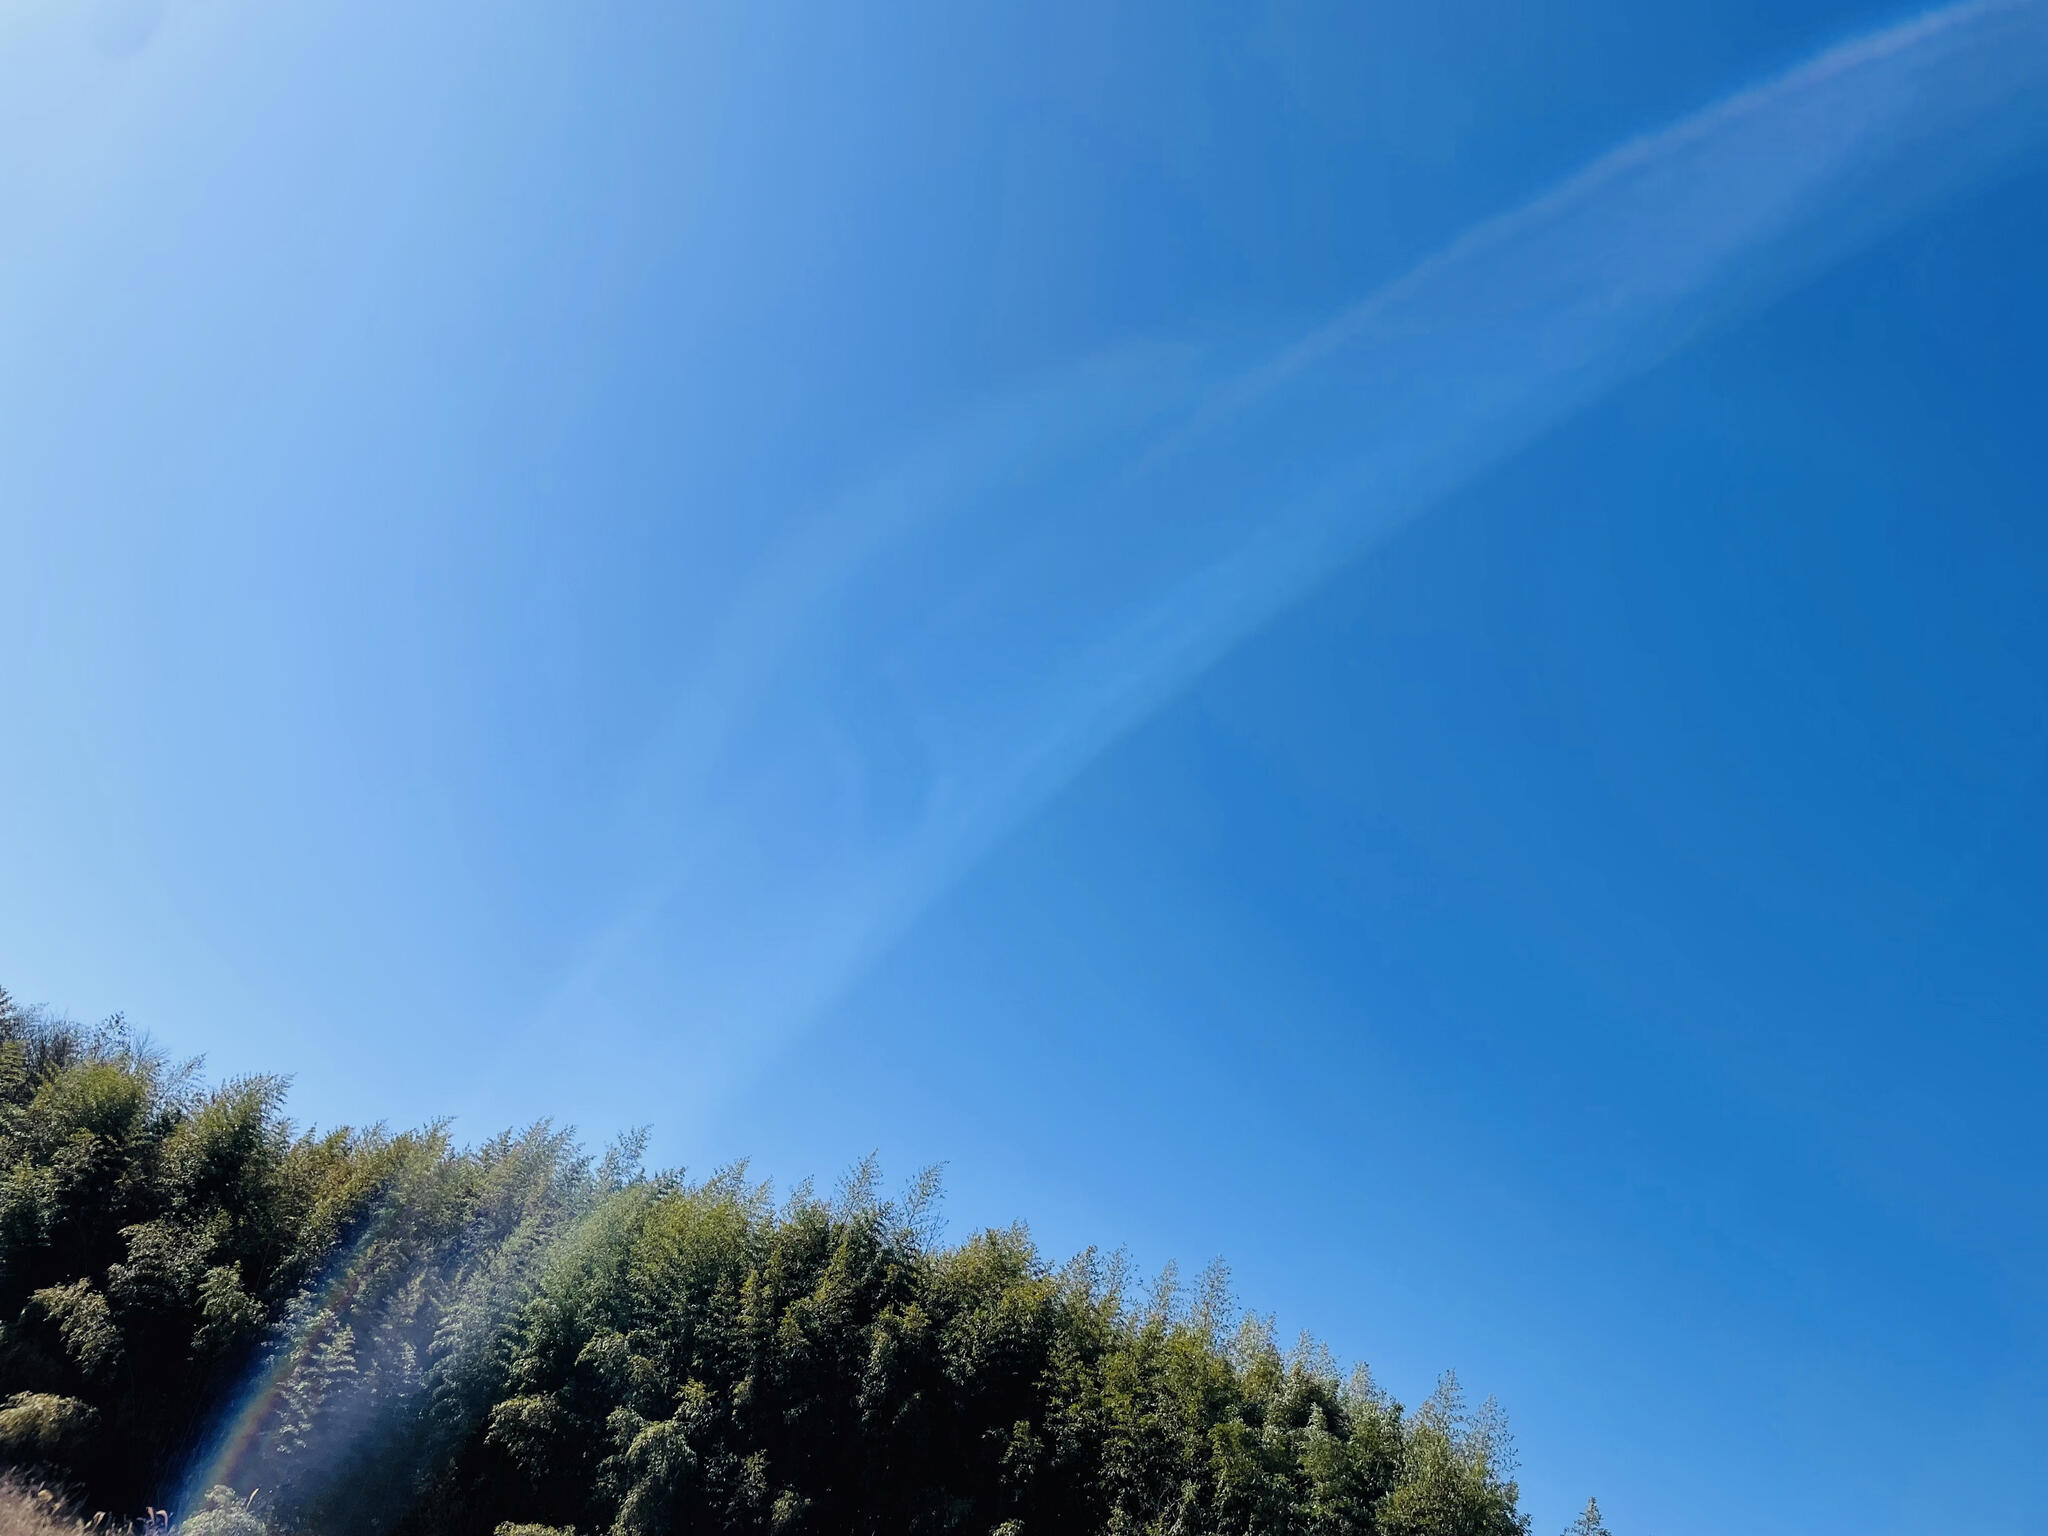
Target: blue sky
x: 979, y: 584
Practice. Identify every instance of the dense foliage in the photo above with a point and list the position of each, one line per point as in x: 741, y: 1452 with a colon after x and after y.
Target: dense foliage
x: 368, y: 1332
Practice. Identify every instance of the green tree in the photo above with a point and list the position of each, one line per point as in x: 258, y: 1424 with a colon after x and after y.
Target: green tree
x: 394, y: 1336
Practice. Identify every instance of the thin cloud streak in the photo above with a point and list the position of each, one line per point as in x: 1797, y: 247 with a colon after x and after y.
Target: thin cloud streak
x: 917, y: 668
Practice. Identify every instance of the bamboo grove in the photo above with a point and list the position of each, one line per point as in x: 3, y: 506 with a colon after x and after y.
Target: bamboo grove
x: 205, y: 1309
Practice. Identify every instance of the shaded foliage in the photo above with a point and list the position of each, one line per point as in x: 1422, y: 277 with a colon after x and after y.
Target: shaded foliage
x: 386, y: 1333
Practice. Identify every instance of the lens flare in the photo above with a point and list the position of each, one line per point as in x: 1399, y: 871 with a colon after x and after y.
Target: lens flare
x: 234, y: 1461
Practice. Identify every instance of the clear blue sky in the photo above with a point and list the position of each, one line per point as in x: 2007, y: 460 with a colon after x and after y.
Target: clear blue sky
x: 834, y: 577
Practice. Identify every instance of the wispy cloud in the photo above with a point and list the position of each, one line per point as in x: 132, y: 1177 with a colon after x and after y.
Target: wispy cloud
x: 916, y: 668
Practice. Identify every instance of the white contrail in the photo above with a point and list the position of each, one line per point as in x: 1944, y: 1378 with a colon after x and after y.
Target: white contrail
x: 923, y: 664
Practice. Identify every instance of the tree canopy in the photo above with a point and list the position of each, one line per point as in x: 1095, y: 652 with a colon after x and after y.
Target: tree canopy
x: 357, y: 1331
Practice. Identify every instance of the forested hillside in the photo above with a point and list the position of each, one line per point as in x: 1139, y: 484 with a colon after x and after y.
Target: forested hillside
x: 358, y: 1331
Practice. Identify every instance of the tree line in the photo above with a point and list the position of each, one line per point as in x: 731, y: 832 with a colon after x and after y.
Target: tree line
x: 358, y: 1332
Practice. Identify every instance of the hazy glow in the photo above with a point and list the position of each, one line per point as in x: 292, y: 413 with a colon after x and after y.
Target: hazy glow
x: 232, y: 1459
